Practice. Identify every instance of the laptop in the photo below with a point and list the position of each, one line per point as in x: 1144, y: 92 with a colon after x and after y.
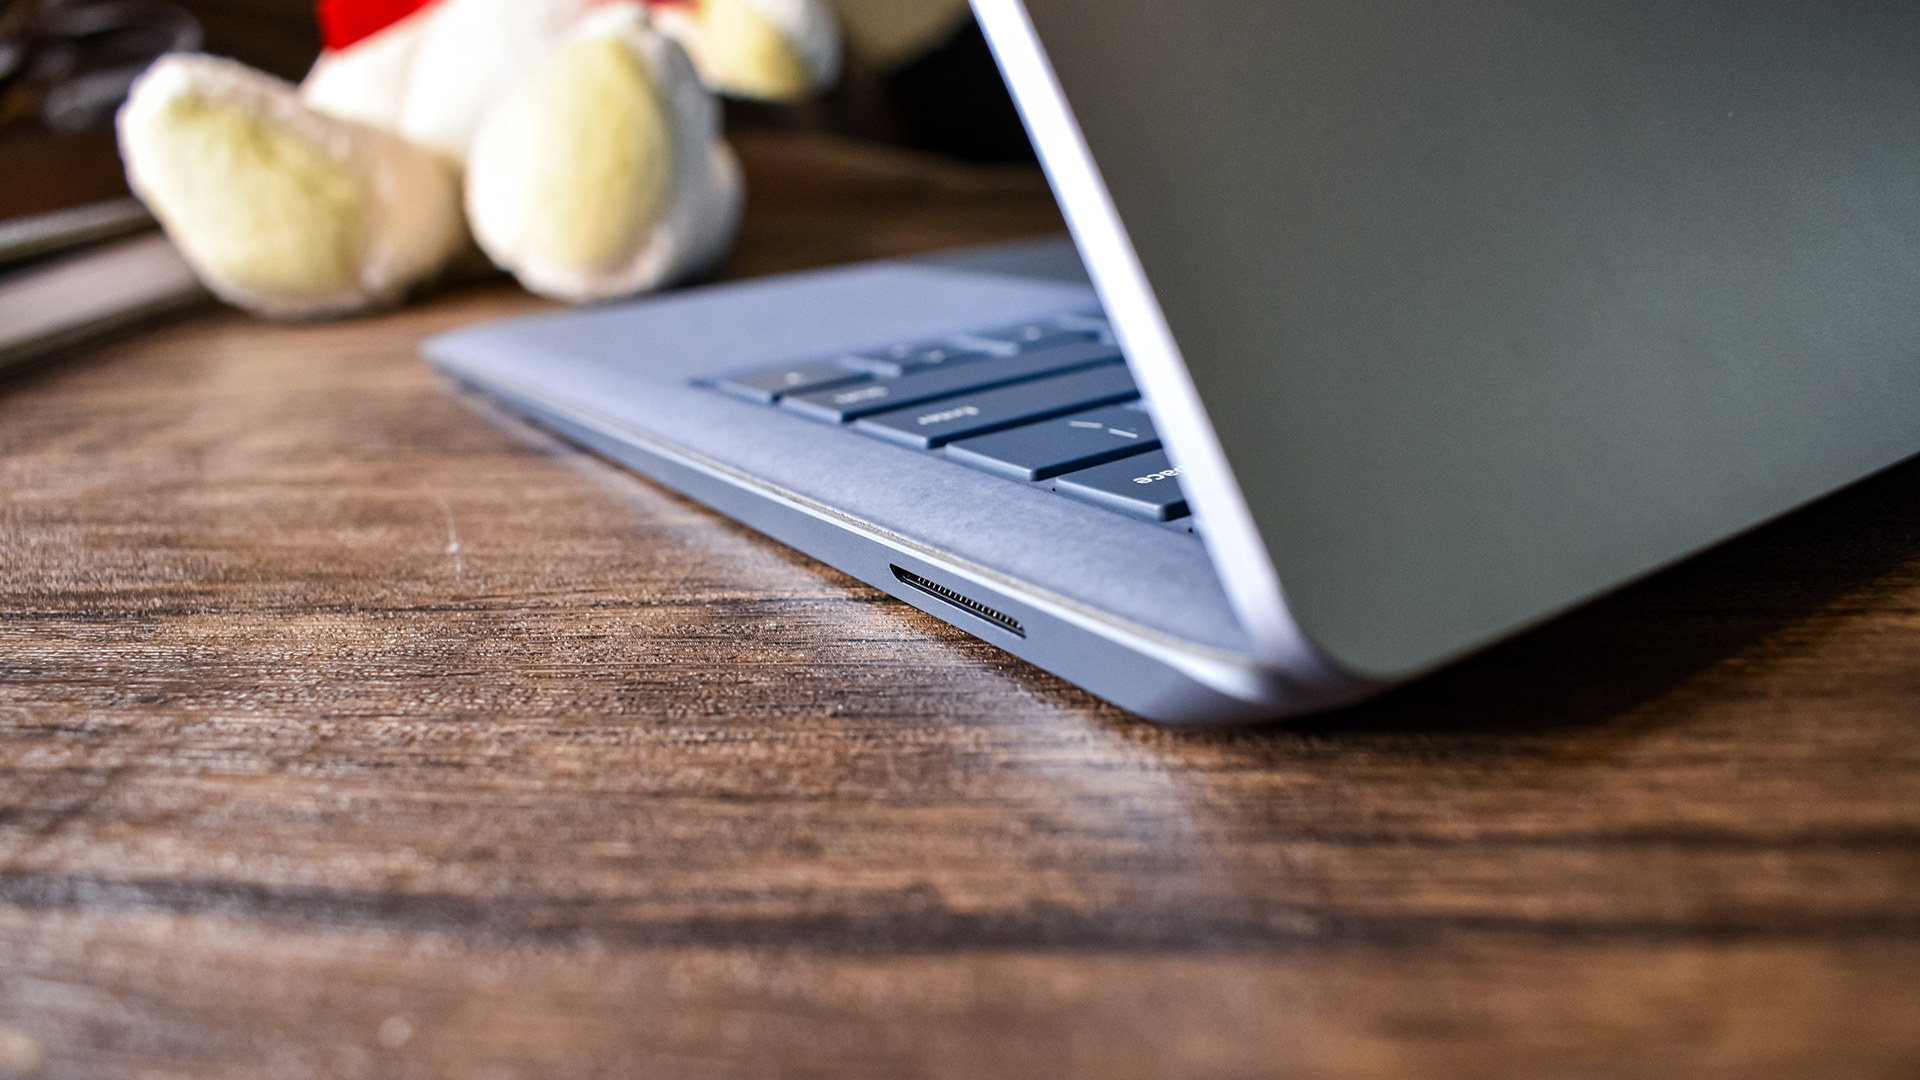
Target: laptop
x: 1387, y: 330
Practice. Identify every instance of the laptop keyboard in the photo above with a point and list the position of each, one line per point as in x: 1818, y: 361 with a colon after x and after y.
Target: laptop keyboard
x: 1047, y: 403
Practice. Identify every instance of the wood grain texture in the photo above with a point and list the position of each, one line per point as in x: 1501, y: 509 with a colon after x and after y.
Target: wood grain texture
x: 348, y: 729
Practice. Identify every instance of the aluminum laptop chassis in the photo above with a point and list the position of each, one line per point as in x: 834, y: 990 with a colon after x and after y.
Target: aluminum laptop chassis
x: 1130, y: 610
x: 1461, y: 314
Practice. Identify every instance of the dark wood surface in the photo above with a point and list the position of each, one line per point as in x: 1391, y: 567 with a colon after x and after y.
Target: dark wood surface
x: 348, y: 729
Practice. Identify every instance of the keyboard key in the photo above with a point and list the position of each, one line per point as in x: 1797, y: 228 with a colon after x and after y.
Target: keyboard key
x: 1027, y: 337
x: 1144, y: 487
x: 1052, y: 447
x: 907, y: 359
x: 767, y: 386
x: 840, y: 406
x: 934, y: 423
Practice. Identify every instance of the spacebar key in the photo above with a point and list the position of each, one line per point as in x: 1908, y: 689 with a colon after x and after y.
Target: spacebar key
x: 937, y: 423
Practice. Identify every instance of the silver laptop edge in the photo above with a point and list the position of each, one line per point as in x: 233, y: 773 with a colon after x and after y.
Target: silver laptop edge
x: 1152, y: 673
x: 1231, y: 537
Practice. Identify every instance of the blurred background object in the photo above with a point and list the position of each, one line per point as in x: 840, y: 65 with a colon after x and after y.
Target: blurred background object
x: 68, y: 63
x: 280, y: 37
x: 65, y: 66
x: 889, y: 33
x: 85, y: 54
x: 919, y: 74
x: 951, y: 99
x: 15, y: 27
x: 916, y: 73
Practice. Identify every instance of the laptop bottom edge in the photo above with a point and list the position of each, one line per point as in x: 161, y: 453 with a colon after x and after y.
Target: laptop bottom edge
x: 1147, y: 673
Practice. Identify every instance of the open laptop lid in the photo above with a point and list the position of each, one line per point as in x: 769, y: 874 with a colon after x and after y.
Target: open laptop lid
x: 1485, y: 308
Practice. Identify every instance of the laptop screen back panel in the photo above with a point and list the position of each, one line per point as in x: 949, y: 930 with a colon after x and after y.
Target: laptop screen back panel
x: 1495, y: 306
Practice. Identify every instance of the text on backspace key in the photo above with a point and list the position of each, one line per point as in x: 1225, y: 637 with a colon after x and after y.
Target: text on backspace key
x: 1145, y: 486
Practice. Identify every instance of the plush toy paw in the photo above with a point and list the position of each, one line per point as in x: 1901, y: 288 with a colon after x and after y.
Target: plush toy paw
x: 600, y: 173
x: 279, y: 208
x: 774, y: 50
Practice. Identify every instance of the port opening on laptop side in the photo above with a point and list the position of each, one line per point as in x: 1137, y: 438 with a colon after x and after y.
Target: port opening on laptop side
x: 964, y: 603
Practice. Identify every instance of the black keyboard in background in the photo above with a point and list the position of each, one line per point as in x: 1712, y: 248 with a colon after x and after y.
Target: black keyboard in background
x: 1048, y: 402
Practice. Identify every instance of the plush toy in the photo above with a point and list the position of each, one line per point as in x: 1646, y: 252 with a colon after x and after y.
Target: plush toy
x: 778, y: 50
x: 577, y: 141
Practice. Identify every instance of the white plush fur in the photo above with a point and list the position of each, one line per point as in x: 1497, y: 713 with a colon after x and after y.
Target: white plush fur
x: 469, y: 50
x: 367, y: 82
x: 703, y: 208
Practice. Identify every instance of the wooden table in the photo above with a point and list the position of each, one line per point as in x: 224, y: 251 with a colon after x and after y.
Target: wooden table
x: 348, y: 729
